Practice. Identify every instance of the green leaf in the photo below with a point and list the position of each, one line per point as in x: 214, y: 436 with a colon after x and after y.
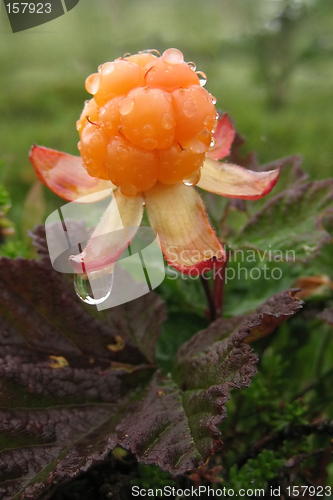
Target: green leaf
x: 288, y: 226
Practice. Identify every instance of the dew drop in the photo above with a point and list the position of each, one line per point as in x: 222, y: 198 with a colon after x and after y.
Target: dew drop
x: 189, y: 109
x: 212, y: 142
x: 95, y: 139
x: 217, y: 116
x: 102, y: 111
x: 92, y: 83
x: 108, y: 68
x: 102, y: 289
x: 122, y: 152
x: 153, y: 52
x: 196, y: 146
x: 192, y: 65
x: 128, y: 190
x: 148, y: 130
x: 173, y: 56
x: 168, y: 121
x: 100, y: 67
x: 149, y: 143
x: 126, y: 106
x: 202, y: 78
x: 214, y: 127
x: 214, y: 101
x: 193, y: 179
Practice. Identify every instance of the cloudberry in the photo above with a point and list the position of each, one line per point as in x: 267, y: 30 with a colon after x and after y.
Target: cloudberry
x: 149, y: 121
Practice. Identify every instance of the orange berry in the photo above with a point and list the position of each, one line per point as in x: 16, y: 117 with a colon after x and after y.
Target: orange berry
x: 109, y: 116
x: 93, y: 150
x: 117, y: 78
x: 175, y: 164
x: 142, y: 59
x: 149, y: 121
x: 147, y: 118
x: 194, y: 111
x: 90, y: 111
x: 130, y: 166
x: 170, y: 76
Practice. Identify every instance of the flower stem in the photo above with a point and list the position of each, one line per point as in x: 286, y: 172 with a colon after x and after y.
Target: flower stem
x: 209, y: 297
x: 219, y: 282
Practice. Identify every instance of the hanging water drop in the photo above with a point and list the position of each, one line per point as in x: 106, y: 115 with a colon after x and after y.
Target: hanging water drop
x: 193, y: 179
x: 94, y: 294
x: 202, y: 78
x: 192, y: 65
x: 92, y: 83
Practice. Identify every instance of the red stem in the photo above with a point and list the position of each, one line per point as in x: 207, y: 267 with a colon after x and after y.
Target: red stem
x: 219, y: 283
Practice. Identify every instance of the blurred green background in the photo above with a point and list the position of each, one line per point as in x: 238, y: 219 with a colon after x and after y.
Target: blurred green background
x: 268, y: 62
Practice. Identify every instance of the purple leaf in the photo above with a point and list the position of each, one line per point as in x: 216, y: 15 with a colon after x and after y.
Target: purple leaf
x: 70, y: 392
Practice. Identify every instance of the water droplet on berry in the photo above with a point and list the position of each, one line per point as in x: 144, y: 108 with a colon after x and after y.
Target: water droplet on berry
x: 148, y: 130
x: 212, y: 142
x: 122, y: 152
x: 128, y: 190
x: 95, y: 139
x: 193, y: 179
x: 102, y: 289
x: 126, y: 106
x: 102, y: 110
x: 153, y: 52
x: 107, y: 68
x: 173, y: 56
x: 189, y: 109
x: 92, y: 83
x: 214, y: 101
x: 192, y: 65
x: 149, y: 143
x: 202, y: 78
x: 168, y: 121
x: 196, y: 146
